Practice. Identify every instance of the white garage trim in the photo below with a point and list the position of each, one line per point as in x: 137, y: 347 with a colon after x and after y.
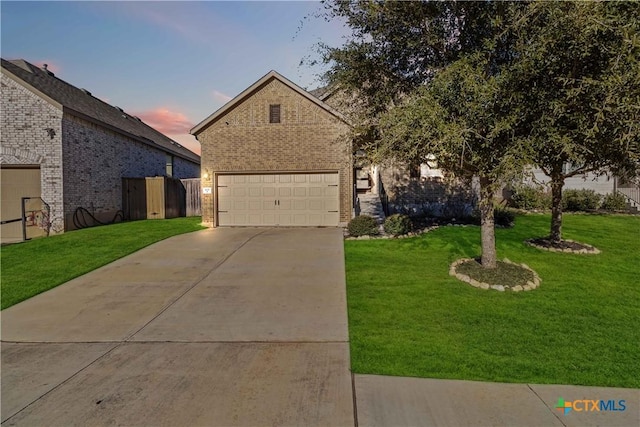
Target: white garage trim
x: 278, y: 199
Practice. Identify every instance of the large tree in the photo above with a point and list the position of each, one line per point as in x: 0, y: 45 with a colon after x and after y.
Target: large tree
x: 465, y: 117
x: 435, y: 72
x: 578, y: 62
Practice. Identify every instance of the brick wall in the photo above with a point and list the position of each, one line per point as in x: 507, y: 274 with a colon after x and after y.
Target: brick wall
x: 100, y: 159
x: 432, y: 196
x: 183, y: 169
x: 24, y: 140
x: 308, y: 138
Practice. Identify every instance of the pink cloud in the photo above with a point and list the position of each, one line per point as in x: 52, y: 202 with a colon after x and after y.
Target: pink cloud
x: 166, y: 121
x: 51, y: 66
x: 220, y: 97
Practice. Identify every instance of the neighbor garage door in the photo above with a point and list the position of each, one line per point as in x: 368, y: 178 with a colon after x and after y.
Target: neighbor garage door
x: 301, y: 199
x: 16, y: 184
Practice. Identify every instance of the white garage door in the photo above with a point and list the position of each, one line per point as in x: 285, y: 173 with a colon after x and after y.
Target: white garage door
x: 304, y: 199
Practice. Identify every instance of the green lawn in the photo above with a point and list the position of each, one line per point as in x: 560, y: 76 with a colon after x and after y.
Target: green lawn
x: 408, y: 317
x: 35, y: 266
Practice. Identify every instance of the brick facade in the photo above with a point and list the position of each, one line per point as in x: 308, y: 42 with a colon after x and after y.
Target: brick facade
x: 24, y: 140
x: 101, y: 158
x: 308, y: 138
x: 431, y: 196
x: 84, y: 163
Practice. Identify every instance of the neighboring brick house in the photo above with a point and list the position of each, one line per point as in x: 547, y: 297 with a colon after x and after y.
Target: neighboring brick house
x: 60, y: 143
x: 275, y: 155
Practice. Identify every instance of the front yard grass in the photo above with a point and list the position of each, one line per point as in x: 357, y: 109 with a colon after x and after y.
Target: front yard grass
x: 408, y: 317
x: 38, y: 265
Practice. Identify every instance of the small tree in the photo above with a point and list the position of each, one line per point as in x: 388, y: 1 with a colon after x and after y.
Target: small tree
x: 579, y: 63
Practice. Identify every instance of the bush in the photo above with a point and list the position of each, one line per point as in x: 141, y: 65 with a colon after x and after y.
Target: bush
x: 397, y: 224
x: 501, y: 216
x: 614, y: 202
x: 580, y: 200
x: 504, y: 217
x: 529, y: 197
x: 363, y: 225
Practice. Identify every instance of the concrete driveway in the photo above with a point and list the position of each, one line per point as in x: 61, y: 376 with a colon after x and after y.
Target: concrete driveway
x: 238, y: 326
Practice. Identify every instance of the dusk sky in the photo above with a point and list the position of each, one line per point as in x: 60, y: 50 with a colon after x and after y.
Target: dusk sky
x: 170, y: 63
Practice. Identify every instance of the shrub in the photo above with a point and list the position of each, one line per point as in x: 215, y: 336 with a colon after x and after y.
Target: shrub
x: 504, y: 217
x: 614, y: 202
x: 397, y: 224
x: 363, y: 225
x: 501, y: 216
x: 580, y: 200
x: 529, y: 197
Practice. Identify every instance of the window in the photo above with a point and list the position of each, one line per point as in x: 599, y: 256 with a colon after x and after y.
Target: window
x: 274, y: 113
x: 169, y: 165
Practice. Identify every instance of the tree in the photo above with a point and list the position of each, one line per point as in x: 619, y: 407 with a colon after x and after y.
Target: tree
x: 434, y: 72
x: 579, y: 64
x: 465, y: 118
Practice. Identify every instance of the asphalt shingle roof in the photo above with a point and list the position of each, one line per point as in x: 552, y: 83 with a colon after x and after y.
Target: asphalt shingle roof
x: 80, y: 102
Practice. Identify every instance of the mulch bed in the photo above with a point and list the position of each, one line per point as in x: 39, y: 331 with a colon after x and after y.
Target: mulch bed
x: 562, y: 246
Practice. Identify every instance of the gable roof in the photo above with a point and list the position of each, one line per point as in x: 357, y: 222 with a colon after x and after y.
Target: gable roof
x: 252, y: 89
x: 80, y: 103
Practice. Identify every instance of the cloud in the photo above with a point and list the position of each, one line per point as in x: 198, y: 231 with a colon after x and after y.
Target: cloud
x: 220, y: 97
x: 51, y: 65
x: 166, y: 121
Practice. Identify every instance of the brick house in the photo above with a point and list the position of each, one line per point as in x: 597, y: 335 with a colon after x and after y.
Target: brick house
x: 71, y: 149
x: 275, y: 155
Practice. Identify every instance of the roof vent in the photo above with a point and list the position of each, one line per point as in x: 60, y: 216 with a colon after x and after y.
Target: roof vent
x: 119, y: 109
x: 86, y: 91
x: 137, y: 118
x: 44, y: 67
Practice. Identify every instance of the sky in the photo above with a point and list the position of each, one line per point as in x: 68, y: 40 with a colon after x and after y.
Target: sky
x: 171, y: 63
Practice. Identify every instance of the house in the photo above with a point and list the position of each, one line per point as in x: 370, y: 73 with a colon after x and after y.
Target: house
x: 65, y: 146
x: 276, y: 155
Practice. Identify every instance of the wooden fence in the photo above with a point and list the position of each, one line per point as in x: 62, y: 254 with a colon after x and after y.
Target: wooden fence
x: 160, y: 197
x: 192, y: 193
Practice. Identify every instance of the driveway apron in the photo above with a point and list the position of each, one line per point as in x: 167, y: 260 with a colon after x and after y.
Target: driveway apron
x: 227, y: 326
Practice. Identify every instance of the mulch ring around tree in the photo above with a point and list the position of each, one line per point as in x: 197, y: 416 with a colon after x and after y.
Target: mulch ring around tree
x: 569, y: 246
x: 507, y: 276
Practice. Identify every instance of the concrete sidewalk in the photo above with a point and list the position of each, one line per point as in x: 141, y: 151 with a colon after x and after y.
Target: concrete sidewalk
x: 219, y: 327
x: 398, y: 401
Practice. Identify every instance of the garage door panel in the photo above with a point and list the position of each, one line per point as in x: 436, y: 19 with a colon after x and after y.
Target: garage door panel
x: 284, y: 191
x: 278, y: 199
x: 268, y: 205
x: 331, y: 191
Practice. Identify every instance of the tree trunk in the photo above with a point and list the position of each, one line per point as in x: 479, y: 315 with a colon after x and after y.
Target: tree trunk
x: 557, y: 183
x: 487, y: 229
